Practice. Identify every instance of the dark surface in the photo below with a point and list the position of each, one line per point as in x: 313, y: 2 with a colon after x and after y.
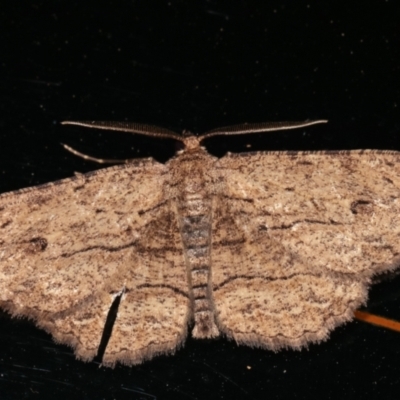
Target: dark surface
x: 197, y: 66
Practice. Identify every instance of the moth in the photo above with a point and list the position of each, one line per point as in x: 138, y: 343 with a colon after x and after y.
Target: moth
x: 270, y: 249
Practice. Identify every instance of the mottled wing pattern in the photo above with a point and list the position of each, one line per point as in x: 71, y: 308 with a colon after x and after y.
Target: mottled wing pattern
x: 296, y: 239
x: 69, y: 247
x: 155, y: 311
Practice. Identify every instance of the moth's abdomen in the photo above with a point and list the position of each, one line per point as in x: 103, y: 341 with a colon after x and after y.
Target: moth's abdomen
x: 195, y: 223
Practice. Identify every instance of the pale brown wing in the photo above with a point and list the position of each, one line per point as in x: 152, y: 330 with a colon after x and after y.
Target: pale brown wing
x: 155, y: 311
x: 69, y: 247
x: 296, y: 239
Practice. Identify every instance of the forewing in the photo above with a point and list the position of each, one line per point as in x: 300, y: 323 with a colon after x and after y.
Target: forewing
x: 296, y: 238
x: 69, y: 247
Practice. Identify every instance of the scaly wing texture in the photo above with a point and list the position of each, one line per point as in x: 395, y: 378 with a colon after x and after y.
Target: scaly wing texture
x: 69, y: 247
x: 155, y: 311
x: 296, y: 238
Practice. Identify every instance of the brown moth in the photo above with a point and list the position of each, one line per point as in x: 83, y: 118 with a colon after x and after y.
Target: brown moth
x: 270, y: 249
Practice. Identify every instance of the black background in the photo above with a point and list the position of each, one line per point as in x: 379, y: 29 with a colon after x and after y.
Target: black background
x: 198, y: 65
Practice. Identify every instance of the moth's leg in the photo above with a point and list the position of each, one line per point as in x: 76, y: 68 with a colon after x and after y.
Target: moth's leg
x: 97, y: 160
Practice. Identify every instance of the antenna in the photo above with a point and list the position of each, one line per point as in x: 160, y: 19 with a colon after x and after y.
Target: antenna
x: 259, y: 128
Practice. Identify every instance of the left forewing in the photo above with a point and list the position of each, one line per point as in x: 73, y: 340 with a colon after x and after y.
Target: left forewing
x: 296, y: 238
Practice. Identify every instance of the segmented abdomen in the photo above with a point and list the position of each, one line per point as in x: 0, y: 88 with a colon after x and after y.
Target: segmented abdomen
x: 195, y: 224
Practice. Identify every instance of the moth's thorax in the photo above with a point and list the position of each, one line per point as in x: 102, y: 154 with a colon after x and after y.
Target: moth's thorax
x: 191, y: 173
x: 193, y: 188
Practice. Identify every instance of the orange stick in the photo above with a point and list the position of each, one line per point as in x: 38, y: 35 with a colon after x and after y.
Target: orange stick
x: 375, y: 320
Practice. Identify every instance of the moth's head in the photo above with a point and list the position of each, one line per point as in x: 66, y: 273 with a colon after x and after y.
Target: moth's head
x: 190, y: 141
